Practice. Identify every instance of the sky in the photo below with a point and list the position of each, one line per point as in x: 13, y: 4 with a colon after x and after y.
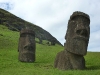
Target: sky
x: 53, y: 16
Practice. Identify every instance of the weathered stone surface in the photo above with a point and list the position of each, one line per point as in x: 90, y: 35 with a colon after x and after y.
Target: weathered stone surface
x: 78, y: 33
x: 27, y: 45
x: 67, y: 61
x: 75, y: 48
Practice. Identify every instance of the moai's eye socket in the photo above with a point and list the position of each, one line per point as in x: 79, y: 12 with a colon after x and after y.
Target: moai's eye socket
x: 23, y: 35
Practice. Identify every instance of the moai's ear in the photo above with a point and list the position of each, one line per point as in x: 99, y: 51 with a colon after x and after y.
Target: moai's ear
x: 66, y: 36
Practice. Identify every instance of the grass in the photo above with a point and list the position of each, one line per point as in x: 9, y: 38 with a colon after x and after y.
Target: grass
x: 45, y: 55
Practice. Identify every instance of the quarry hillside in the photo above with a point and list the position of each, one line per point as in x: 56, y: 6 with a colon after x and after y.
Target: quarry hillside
x: 15, y: 23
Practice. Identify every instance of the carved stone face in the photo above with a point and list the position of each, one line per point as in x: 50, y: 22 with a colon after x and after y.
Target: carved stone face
x: 78, y: 32
x: 27, y: 45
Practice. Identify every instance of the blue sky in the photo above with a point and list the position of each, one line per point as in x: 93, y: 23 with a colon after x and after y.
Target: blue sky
x: 53, y: 15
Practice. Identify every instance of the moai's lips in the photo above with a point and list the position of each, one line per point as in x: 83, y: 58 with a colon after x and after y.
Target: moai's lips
x: 81, y: 37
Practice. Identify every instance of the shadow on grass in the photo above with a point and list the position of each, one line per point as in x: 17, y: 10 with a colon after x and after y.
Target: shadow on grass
x: 96, y: 67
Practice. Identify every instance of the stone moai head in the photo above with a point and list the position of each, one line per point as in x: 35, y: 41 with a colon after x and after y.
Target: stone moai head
x: 27, y: 45
x: 78, y: 32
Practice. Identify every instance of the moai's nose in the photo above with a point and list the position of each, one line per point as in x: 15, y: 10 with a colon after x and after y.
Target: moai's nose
x: 82, y: 32
x: 28, y: 44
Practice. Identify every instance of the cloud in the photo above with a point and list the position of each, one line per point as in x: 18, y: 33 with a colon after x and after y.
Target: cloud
x: 94, y: 43
x: 53, y: 15
x: 6, y: 5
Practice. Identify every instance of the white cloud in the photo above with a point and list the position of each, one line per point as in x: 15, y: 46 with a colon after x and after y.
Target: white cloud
x: 53, y: 16
x: 94, y: 43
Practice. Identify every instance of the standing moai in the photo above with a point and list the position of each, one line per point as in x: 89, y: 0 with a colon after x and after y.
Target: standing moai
x: 27, y: 45
x: 77, y: 38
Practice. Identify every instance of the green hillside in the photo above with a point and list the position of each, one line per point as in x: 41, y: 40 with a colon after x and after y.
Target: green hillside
x: 45, y: 55
x: 15, y: 23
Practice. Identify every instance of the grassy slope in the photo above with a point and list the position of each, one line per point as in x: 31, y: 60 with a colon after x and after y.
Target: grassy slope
x: 9, y: 64
x: 16, y: 23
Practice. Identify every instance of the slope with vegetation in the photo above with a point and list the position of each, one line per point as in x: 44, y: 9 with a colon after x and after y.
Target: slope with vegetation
x: 16, y: 24
x: 45, y: 55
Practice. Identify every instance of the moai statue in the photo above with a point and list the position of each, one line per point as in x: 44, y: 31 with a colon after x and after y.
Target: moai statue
x: 27, y: 45
x: 77, y: 38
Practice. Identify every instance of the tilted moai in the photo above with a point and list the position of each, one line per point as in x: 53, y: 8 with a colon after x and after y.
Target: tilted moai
x: 77, y: 38
x: 27, y: 45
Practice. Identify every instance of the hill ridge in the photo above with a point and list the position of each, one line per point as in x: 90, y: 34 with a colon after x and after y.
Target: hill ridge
x: 15, y: 23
